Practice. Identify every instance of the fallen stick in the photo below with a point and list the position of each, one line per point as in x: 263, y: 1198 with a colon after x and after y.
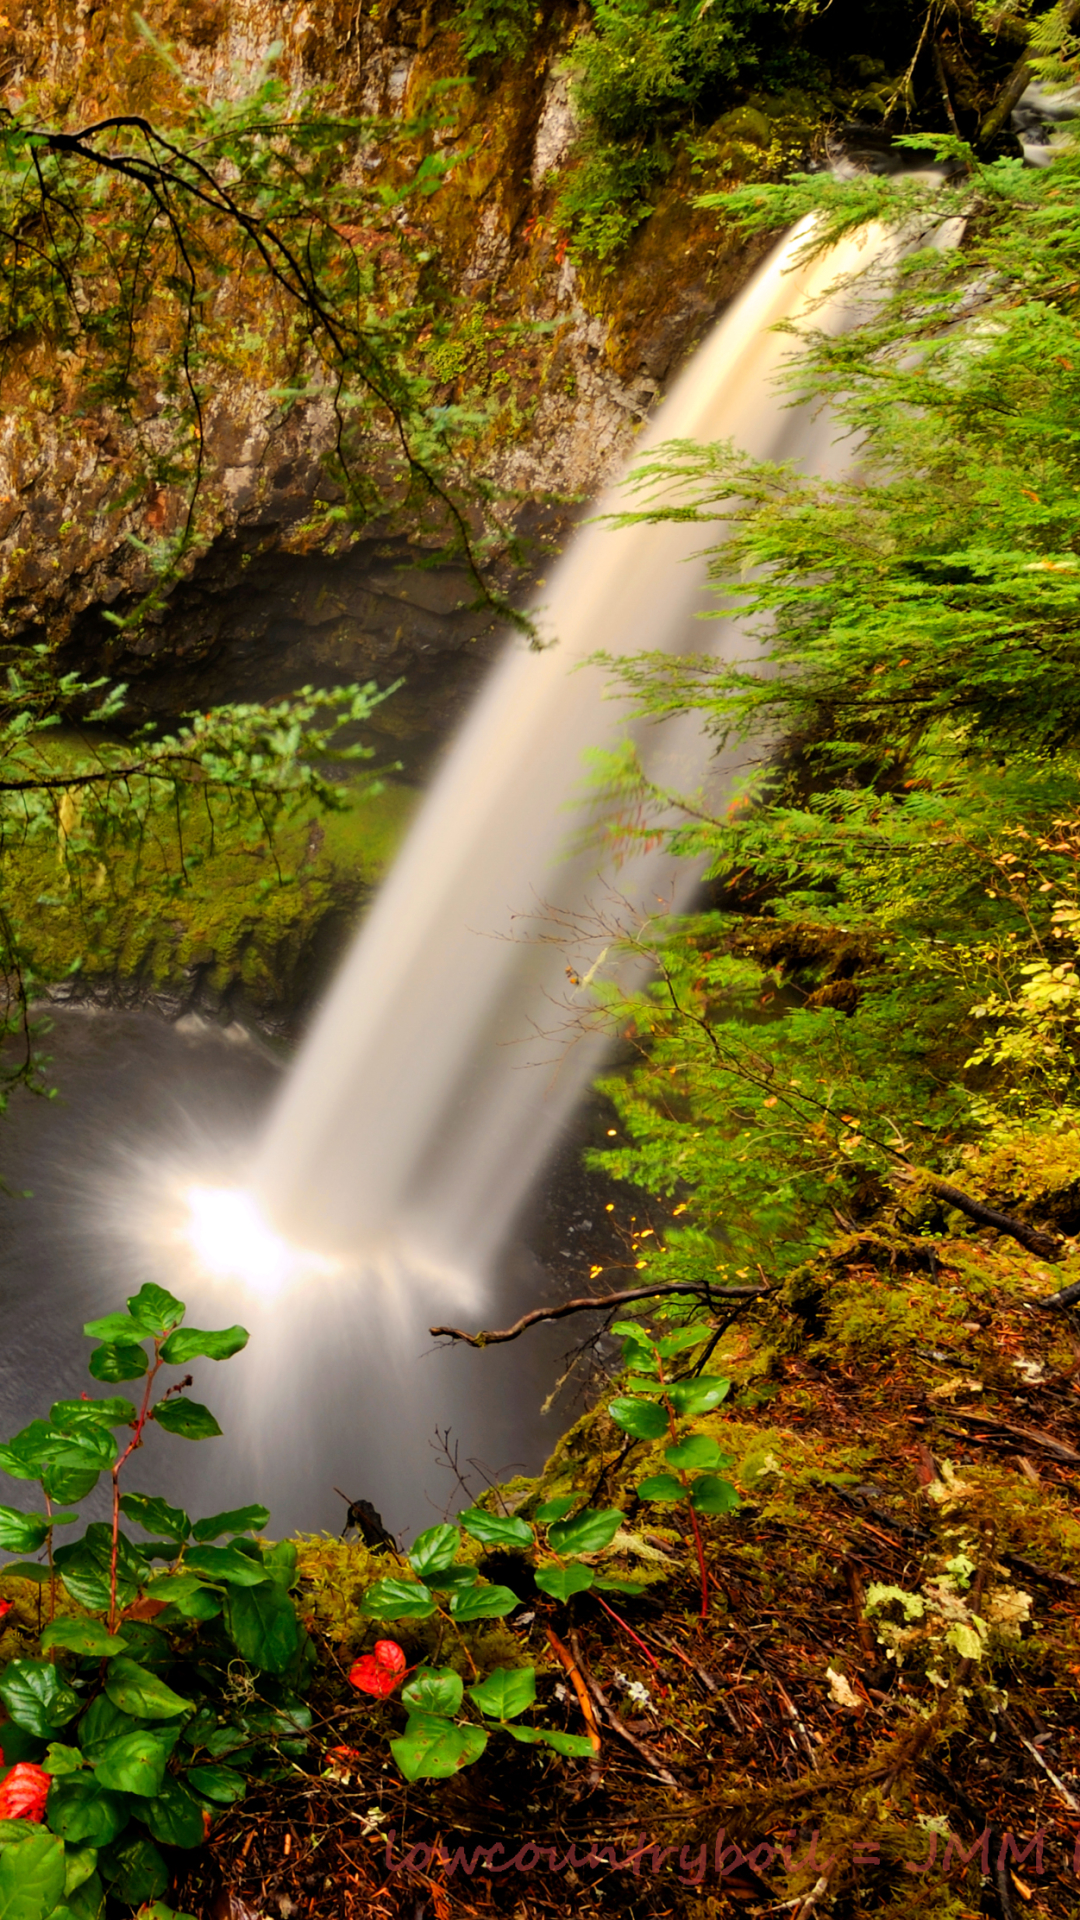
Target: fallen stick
x: 640, y: 1747
x: 577, y: 1681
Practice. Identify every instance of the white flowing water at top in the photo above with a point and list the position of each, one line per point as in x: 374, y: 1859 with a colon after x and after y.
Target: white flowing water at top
x: 439, y: 1069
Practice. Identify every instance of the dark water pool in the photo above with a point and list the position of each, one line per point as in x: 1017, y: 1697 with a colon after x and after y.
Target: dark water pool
x: 340, y: 1385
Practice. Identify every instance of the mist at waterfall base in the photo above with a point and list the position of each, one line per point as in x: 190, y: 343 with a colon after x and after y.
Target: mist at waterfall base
x: 384, y: 1191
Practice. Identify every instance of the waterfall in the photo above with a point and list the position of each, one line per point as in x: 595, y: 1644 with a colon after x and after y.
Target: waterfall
x: 451, y: 1048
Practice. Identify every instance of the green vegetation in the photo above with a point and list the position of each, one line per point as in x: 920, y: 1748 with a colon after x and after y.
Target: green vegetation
x: 912, y: 856
x: 99, y: 1742
x: 192, y: 889
x: 807, y: 1569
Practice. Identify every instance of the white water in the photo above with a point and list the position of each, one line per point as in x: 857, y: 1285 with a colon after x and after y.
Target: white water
x: 439, y: 1070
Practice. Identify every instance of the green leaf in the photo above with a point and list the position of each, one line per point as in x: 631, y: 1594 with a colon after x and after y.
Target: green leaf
x: 643, y: 1418
x: 149, y: 1646
x: 79, y: 1864
x: 710, y: 1495
x: 77, y: 1417
x: 115, y: 1326
x: 225, y: 1566
x: 133, y: 1763
x: 506, y: 1692
x: 32, y: 1877
x: 187, y: 1418
x: 556, y: 1509
x: 434, y: 1550
x: 116, y: 1362
x: 136, y: 1690
x: 576, y: 1746
x: 641, y: 1342
x: 497, y: 1529
x: 67, y: 1483
x: 17, y: 1830
x: 482, y: 1603
x: 155, y: 1515
x: 193, y: 1343
x: 60, y: 1760
x: 588, y: 1532
x: 434, y: 1690
x: 217, y: 1783
x: 697, y: 1450
x: 698, y: 1396
x: 461, y: 1574
x: 660, y: 1486
x: 82, y: 1636
x: 36, y: 1697
x: 398, y: 1600
x: 174, y: 1817
x: 233, y: 1520
x: 84, y: 1903
x: 191, y: 1598
x: 84, y: 1568
x: 101, y: 1723
x: 26, y: 1454
x: 633, y: 1589
x: 433, y: 1748
x: 84, y: 1812
x: 681, y: 1338
x: 155, y: 1309
x: 262, y: 1625
x: 562, y: 1582
x: 136, y: 1871
x: 22, y: 1532
x: 280, y: 1561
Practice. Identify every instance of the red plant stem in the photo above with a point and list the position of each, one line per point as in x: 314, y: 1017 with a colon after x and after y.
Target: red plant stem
x: 52, y: 1569
x: 135, y: 1441
x: 701, y: 1561
x: 684, y: 1482
x: 627, y: 1628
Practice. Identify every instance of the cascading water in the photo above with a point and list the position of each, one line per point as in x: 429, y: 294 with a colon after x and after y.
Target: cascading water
x: 439, y: 1072
x: 440, y: 1068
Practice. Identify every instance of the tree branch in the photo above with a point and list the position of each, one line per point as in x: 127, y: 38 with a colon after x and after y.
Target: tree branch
x: 697, y: 1289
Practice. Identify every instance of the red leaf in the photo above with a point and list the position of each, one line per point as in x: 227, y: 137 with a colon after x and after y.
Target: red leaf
x: 5, y: 1607
x: 24, y: 1793
x: 379, y: 1672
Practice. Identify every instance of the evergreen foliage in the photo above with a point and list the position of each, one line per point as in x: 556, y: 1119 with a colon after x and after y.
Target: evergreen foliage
x: 906, y: 866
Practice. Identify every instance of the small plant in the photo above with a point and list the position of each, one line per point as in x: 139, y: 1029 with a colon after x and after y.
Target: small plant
x: 156, y: 1693
x: 658, y: 1408
x: 435, y: 1744
x: 499, y: 27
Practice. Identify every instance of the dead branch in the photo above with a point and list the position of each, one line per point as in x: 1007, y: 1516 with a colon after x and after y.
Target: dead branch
x: 652, y: 1760
x: 1064, y: 1297
x: 1058, y: 1449
x: 1045, y: 1246
x: 571, y: 1662
x: 697, y: 1289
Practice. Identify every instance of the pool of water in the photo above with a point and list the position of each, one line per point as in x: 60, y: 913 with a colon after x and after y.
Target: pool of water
x: 341, y: 1385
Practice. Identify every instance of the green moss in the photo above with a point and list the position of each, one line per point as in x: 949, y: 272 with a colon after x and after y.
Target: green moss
x: 228, y: 905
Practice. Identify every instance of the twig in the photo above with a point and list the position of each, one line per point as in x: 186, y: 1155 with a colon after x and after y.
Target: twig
x: 1058, y: 1449
x: 640, y: 1747
x: 791, y: 1713
x: 703, y: 1674
x: 573, y: 1670
x: 699, y: 1289
x: 866, y: 1638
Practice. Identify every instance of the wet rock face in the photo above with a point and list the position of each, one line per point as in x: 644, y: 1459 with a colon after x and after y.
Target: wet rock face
x: 278, y: 581
x: 255, y: 623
